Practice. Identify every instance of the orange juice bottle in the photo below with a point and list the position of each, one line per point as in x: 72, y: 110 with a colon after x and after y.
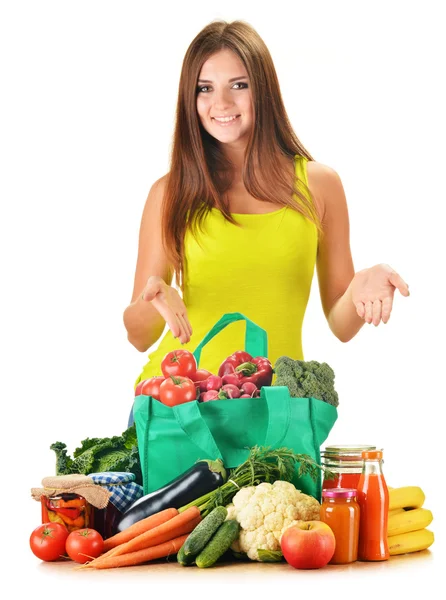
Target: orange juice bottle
x: 373, y: 500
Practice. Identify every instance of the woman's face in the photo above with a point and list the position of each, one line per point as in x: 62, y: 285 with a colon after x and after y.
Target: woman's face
x: 223, y: 90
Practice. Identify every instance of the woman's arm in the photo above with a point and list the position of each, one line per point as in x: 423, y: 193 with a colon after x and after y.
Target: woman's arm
x: 142, y: 320
x: 349, y: 300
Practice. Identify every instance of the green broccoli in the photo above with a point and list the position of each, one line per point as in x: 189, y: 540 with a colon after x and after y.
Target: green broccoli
x: 285, y: 372
x: 310, y: 379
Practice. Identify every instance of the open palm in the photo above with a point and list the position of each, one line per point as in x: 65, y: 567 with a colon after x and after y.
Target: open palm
x: 373, y: 291
x: 170, y: 305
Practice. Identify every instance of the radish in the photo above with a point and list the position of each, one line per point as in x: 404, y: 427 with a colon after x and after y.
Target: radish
x: 232, y: 391
x: 248, y: 388
x: 231, y: 378
x: 209, y: 395
x: 213, y: 382
x: 245, y: 396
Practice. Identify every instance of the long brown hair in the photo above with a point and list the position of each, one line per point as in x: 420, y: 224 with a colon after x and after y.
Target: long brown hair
x: 200, y: 173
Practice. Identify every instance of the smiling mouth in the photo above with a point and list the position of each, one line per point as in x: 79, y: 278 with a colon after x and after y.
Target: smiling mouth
x: 225, y: 123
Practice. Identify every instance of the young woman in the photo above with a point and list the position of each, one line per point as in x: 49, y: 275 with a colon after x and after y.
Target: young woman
x: 243, y: 217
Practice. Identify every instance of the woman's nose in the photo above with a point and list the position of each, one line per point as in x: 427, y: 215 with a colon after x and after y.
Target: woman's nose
x: 222, y: 100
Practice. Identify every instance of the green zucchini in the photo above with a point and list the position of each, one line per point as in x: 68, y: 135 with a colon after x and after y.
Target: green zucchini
x: 203, y: 532
x: 221, y: 541
x: 184, y: 560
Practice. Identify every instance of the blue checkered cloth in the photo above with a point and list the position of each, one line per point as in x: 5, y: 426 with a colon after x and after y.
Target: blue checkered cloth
x: 124, y: 491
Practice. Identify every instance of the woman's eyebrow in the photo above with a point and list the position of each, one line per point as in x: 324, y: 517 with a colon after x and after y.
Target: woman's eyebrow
x: 230, y: 80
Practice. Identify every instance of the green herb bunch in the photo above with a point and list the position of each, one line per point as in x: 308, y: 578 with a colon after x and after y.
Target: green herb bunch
x: 262, y: 465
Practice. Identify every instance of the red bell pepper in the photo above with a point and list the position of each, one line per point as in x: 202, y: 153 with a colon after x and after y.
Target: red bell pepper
x: 256, y: 370
x: 72, y: 513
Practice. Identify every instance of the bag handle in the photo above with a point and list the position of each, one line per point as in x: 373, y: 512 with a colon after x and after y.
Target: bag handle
x: 256, y: 339
x: 191, y: 421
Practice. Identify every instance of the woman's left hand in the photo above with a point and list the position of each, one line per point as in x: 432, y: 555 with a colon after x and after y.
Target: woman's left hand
x: 373, y: 290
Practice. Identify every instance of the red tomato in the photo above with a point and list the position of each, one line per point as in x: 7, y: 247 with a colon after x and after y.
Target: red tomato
x: 200, y: 375
x: 151, y: 387
x: 138, y: 387
x: 84, y: 544
x: 47, y: 541
x: 180, y: 363
x: 177, y: 390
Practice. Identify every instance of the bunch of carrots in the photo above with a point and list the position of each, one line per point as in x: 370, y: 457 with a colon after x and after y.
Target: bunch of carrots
x: 157, y: 536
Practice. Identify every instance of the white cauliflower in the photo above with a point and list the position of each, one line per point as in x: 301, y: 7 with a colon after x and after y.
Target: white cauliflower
x: 264, y: 512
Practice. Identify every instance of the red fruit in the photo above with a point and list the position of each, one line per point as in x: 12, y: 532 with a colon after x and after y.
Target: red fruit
x: 84, y: 544
x: 200, y: 375
x: 308, y: 544
x: 151, y: 387
x: 180, y: 363
x: 47, y: 541
x: 177, y: 390
x: 138, y: 387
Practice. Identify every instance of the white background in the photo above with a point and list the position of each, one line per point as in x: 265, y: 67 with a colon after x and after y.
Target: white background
x: 88, y: 99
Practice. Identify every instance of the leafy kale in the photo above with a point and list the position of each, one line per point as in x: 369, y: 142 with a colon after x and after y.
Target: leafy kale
x: 309, y: 379
x: 96, y: 455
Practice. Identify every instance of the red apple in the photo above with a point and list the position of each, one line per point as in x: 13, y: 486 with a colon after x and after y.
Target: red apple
x: 308, y: 544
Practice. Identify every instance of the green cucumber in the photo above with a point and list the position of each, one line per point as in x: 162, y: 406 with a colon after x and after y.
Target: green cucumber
x: 226, y: 534
x: 184, y: 560
x: 203, y: 532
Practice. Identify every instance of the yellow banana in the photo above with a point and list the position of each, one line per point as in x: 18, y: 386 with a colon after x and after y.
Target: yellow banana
x: 409, y: 520
x: 410, y: 542
x: 396, y: 511
x: 406, y: 497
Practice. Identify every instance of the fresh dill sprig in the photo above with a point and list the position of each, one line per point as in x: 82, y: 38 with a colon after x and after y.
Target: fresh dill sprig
x: 262, y: 465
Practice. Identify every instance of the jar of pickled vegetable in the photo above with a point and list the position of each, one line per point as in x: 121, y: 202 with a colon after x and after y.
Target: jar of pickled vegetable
x: 70, y: 510
x: 340, y: 511
x: 69, y: 500
x: 345, y: 462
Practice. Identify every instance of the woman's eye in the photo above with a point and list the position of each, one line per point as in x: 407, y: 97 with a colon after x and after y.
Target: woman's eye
x: 239, y: 83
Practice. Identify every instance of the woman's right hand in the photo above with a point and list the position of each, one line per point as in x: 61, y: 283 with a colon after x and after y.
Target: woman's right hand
x: 170, y: 305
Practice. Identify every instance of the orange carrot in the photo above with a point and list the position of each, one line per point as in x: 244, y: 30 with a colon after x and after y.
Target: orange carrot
x: 179, y: 525
x: 159, y: 539
x: 139, y: 557
x: 140, y: 527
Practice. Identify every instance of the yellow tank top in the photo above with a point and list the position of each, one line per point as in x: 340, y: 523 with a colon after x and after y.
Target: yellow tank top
x: 263, y: 270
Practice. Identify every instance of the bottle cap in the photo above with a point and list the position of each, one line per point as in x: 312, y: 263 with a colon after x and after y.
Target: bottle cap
x: 339, y: 493
x: 372, y: 454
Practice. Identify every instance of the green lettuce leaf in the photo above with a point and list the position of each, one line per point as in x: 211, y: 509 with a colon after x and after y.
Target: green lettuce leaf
x: 270, y: 555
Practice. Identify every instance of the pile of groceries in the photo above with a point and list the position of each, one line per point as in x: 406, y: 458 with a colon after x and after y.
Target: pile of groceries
x: 95, y: 513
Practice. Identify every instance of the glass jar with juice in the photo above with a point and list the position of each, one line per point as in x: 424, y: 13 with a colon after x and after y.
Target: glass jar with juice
x: 346, y: 462
x: 340, y: 511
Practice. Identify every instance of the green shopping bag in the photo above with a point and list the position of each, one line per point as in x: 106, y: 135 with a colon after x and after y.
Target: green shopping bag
x: 171, y: 439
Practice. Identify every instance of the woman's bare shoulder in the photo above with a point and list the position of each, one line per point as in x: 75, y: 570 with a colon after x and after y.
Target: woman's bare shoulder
x: 320, y: 174
x: 324, y: 182
x: 160, y: 184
